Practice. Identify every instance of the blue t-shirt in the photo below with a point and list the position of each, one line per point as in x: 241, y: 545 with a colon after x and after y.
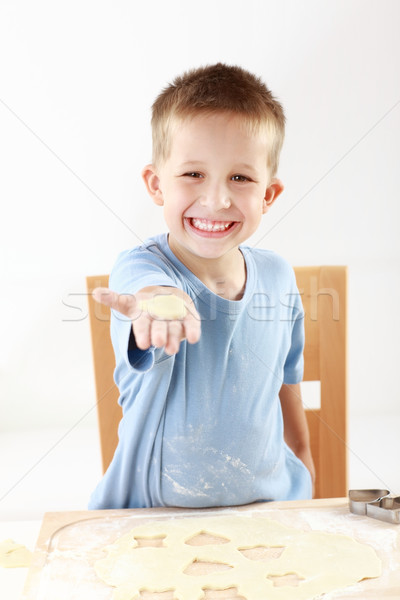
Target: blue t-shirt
x: 204, y: 427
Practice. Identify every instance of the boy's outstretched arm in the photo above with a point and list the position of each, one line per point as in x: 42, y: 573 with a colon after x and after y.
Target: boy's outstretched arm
x: 296, y: 431
x: 148, y: 328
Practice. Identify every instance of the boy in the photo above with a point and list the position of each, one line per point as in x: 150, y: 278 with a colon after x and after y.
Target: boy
x: 205, y: 393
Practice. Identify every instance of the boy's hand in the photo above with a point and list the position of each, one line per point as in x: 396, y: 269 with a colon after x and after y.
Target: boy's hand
x: 305, y: 456
x: 148, y: 328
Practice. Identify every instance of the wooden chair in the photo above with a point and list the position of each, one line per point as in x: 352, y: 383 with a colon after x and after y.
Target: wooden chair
x: 323, y: 290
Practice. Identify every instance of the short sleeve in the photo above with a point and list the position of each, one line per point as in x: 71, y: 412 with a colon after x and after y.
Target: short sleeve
x: 139, y: 268
x: 134, y: 270
x: 294, y: 363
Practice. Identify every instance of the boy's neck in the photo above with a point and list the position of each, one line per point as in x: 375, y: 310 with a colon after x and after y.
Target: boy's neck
x: 228, y: 282
x: 225, y: 276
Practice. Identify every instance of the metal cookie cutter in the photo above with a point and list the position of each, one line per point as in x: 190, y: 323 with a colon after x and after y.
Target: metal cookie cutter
x: 376, y: 504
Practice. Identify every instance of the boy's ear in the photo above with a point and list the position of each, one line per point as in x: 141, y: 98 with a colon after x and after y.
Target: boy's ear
x: 152, y: 183
x: 275, y: 188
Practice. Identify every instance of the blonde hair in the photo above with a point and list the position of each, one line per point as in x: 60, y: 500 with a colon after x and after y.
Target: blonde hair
x: 215, y: 89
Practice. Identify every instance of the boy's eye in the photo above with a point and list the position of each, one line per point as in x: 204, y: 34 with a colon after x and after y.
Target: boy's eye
x: 239, y: 178
x: 193, y: 174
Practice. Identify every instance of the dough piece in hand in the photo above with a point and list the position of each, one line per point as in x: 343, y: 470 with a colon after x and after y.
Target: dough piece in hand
x: 14, y: 555
x: 165, y: 306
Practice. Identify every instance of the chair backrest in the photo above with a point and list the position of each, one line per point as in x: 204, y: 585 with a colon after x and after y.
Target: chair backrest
x: 109, y: 412
x: 324, y: 294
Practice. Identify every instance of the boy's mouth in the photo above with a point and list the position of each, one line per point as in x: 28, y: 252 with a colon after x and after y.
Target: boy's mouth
x: 211, y: 226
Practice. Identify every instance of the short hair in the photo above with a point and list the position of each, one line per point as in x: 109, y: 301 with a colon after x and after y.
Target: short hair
x: 214, y: 89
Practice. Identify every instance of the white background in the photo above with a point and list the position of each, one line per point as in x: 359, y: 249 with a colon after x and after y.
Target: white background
x: 77, y: 79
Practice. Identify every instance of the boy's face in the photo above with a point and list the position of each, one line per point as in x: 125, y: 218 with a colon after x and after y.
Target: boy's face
x: 214, y: 186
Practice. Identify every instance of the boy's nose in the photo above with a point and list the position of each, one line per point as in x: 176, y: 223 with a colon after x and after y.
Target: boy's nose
x: 216, y: 198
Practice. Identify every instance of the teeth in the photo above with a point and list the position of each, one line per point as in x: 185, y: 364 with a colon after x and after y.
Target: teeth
x: 206, y: 225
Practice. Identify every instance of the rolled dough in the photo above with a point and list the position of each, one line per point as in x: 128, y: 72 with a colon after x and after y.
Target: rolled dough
x: 165, y: 306
x: 318, y: 562
x: 14, y: 555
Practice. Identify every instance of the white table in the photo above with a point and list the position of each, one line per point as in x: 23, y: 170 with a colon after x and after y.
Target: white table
x: 26, y: 533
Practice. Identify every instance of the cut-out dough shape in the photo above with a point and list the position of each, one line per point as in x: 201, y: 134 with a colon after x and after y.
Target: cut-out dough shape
x: 289, y: 579
x: 322, y: 561
x: 150, y: 542
x: 201, y: 567
x: 228, y: 594
x: 261, y: 552
x: 205, y: 538
x: 165, y: 306
x: 14, y: 555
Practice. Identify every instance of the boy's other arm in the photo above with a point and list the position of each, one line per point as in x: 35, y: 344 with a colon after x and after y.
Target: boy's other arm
x: 296, y: 431
x: 148, y: 329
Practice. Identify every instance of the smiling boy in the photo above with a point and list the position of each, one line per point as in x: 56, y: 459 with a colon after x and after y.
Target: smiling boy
x: 212, y: 413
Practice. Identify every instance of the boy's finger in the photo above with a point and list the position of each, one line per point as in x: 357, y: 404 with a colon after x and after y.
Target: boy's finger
x: 123, y: 303
x: 192, y: 327
x: 159, y: 333
x: 142, y: 331
x: 175, y: 335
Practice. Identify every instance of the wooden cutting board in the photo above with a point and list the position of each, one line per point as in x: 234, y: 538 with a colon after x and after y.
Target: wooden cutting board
x: 70, y: 542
